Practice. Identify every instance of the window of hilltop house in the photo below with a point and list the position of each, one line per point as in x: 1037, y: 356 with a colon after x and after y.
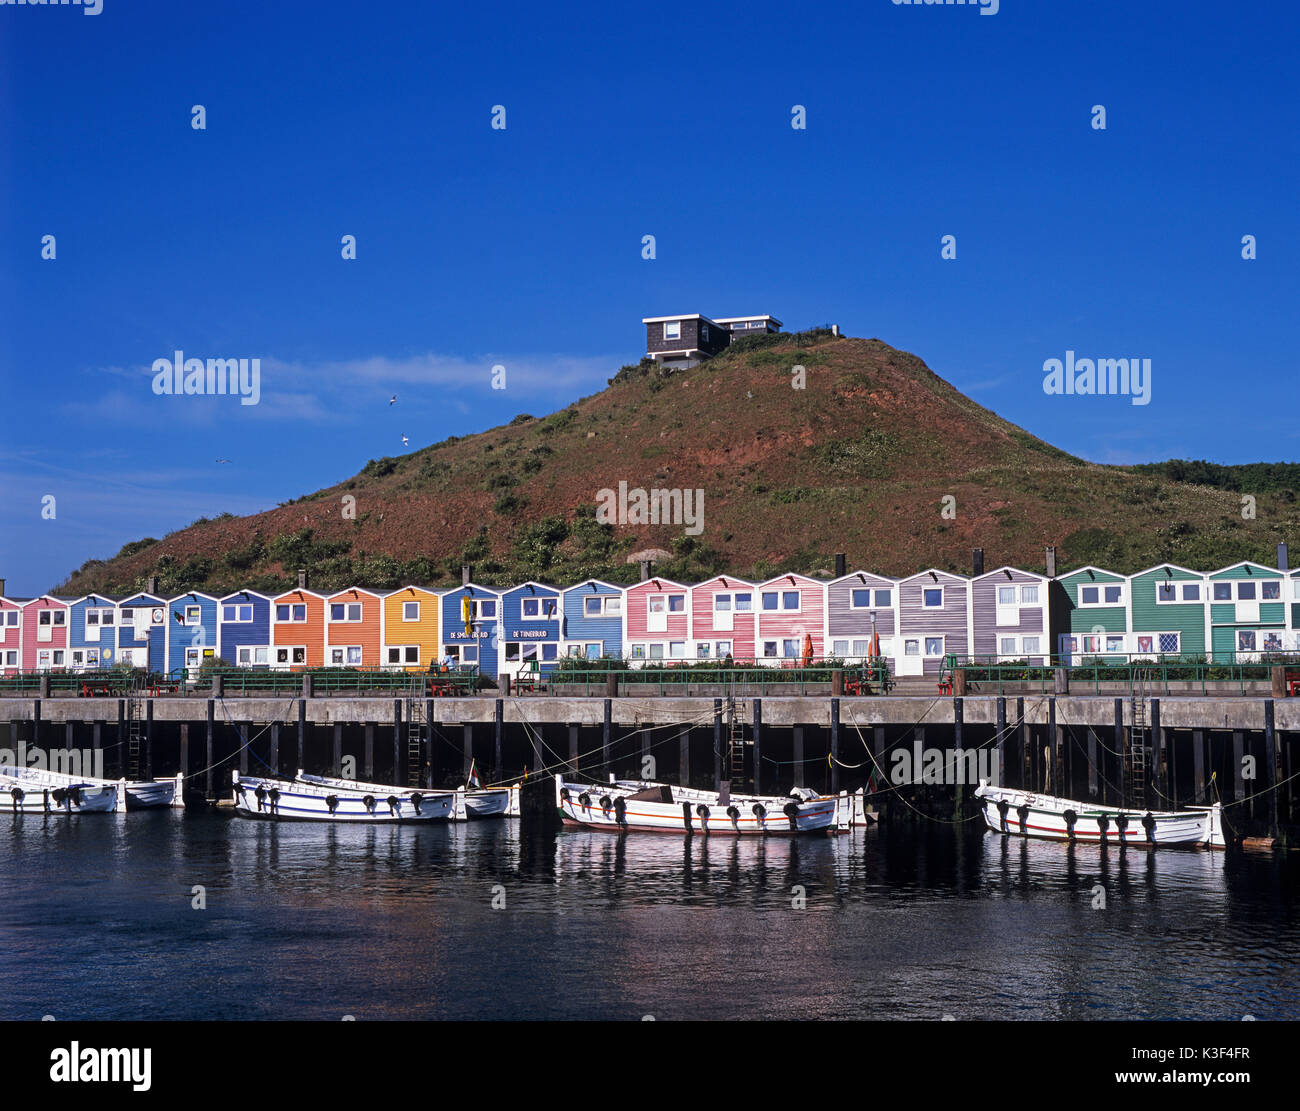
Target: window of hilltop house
x: 595, y: 650
x: 722, y: 603
x: 1089, y: 595
x: 677, y: 603
x: 932, y: 597
x: 673, y: 330
x: 839, y: 648
x: 911, y: 647
x: 1166, y: 592
x: 1245, y: 592
x: 1270, y: 590
x: 1007, y: 646
x: 656, y: 651
x: 410, y: 611
x: 1191, y: 592
x: 11, y: 616
x: 769, y: 649
x: 638, y: 651
x: 861, y: 648
x: 704, y: 333
x: 1169, y: 643
x: 591, y: 607
x: 1222, y: 592
x: 789, y: 649
x: 745, y: 602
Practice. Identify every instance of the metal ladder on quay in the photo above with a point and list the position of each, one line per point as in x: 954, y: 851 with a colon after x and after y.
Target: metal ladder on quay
x: 735, y: 745
x: 417, y: 730
x: 135, y: 712
x: 1139, y: 754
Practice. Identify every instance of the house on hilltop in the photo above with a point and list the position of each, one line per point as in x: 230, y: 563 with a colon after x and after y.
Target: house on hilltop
x: 683, y: 341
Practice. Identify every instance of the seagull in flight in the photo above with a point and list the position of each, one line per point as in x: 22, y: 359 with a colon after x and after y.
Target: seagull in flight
x: 392, y: 400
x: 405, y: 441
x: 223, y: 460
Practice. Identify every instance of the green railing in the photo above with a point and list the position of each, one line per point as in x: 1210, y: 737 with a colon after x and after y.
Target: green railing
x: 1102, y: 674
x: 246, y: 681
x: 709, y: 678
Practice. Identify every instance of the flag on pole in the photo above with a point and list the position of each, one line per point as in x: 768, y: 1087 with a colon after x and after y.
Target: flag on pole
x: 473, y: 779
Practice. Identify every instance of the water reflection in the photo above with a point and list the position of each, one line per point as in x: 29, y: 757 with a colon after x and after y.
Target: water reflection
x: 502, y: 919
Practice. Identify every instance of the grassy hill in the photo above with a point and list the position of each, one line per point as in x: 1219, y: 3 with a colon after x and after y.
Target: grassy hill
x: 857, y: 462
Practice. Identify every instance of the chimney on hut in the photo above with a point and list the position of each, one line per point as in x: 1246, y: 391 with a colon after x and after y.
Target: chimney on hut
x: 646, y: 564
x: 1281, y: 563
x: 302, y: 578
x: 466, y: 574
x: 839, y: 566
x: 1051, y: 563
x: 151, y: 585
x: 976, y: 562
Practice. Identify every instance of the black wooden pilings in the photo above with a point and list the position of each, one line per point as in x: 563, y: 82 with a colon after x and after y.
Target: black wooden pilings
x: 539, y: 758
x: 796, y: 755
x: 684, y: 757
x: 397, y: 738
x: 1054, y: 741
x: 275, y: 750
x: 148, y: 740
x: 368, y: 754
x: 758, y: 743
x: 1121, y: 772
x: 1270, y: 766
x: 121, y: 728
x: 185, y: 750
x: 302, y: 735
x: 426, y: 747
x: 835, y: 746
x: 717, y: 744
x: 467, y: 744
x: 1093, y: 784
x: 959, y: 760
x: 999, y: 767
x: 499, y: 725
x: 647, y: 735
x: 336, y: 754
x: 36, y: 723
x: 1198, y: 765
x: 96, y: 747
x: 573, y: 747
x: 606, y: 731
x: 1238, y: 753
x: 1022, y: 731
x: 209, y: 745
x: 1157, y: 750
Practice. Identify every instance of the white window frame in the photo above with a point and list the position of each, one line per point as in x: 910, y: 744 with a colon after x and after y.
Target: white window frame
x: 239, y: 608
x: 347, y: 618
x: 868, y: 604
x: 406, y: 611
x: 1265, y: 582
x: 722, y: 649
x: 1036, y: 650
x: 942, y: 597
x: 1101, y: 589
x: 1025, y: 590
x: 943, y: 646
x: 291, y: 620
x: 676, y: 330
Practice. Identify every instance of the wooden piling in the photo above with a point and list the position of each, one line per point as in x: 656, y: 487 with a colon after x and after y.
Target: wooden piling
x: 606, y: 730
x: 835, y: 746
x: 758, y: 744
x: 336, y: 755
x: 1270, y: 766
x: 717, y: 744
x: 796, y: 744
x: 1121, y: 778
x: 573, y: 747
x: 210, y: 741
x: 498, y: 773
x: 999, y: 766
x: 467, y: 744
x: 958, y: 722
x: 302, y: 735
x: 684, y: 757
x: 1198, y: 765
x: 275, y: 750
x: 368, y: 753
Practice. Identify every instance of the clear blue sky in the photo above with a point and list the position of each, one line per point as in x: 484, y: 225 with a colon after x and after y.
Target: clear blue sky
x: 523, y: 247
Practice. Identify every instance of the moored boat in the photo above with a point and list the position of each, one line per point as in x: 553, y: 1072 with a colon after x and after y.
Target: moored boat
x: 487, y: 803
x: 318, y: 798
x: 663, y: 808
x: 35, y: 791
x: 1049, y: 818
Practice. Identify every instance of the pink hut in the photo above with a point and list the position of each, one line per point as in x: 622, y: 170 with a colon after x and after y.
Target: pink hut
x: 656, y: 621
x: 723, y: 619
x: 45, y: 634
x: 791, y: 620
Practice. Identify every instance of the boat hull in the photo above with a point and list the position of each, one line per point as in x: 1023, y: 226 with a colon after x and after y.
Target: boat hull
x: 150, y: 794
x: 487, y: 804
x: 339, y: 801
x: 618, y: 809
x: 28, y: 795
x: 1049, y: 818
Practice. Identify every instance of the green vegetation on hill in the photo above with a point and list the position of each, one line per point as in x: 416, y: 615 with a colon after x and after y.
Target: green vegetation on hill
x: 862, y: 460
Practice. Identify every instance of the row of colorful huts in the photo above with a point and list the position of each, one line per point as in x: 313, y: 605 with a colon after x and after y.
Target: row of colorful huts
x: 1235, y: 614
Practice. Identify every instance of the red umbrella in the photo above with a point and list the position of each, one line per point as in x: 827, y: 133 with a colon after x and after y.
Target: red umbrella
x: 807, y: 649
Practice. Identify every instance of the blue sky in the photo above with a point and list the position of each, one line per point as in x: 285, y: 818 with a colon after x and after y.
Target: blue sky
x: 522, y: 247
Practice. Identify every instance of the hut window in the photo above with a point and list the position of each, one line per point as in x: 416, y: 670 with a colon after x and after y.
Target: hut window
x: 638, y: 651
x: 1245, y: 592
x: 1030, y: 646
x: 911, y: 647
x: 1191, y: 592
x: 769, y: 649
x: 1269, y: 591
x: 656, y: 651
x: 861, y: 647
x: 410, y: 611
x: 840, y: 648
x: 1223, y: 592
x: 591, y: 607
x: 550, y: 651
x: 677, y: 603
x: 932, y: 597
x: 1115, y: 643
x: 532, y: 607
x: 656, y: 603
x: 1089, y: 596
x: 1169, y: 642
x: 790, y: 600
x: 595, y: 651
x: 934, y: 646
x: 1029, y: 595
x: 1245, y: 640
x: 722, y: 603
x: 1166, y: 592
x: 722, y: 648
x: 745, y: 602
x: 677, y: 649
x: 1007, y: 646
x: 11, y: 616
x: 789, y: 649
x: 345, y: 612
x: 673, y: 329
x: 1113, y: 594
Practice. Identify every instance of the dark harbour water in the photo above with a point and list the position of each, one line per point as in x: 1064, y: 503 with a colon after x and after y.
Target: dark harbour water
x: 315, y: 922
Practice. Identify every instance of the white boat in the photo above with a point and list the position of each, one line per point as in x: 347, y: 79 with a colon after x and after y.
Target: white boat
x: 35, y: 791
x: 663, y: 808
x: 132, y: 794
x: 486, y: 802
x: 318, y: 798
x: 1049, y: 818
